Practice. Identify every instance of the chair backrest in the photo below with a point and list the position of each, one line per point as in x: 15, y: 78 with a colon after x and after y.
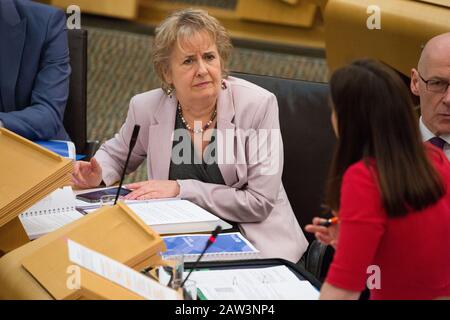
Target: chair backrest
x: 308, y: 140
x: 75, y: 120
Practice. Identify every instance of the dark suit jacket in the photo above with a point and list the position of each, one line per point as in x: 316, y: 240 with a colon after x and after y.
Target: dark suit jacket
x: 34, y: 69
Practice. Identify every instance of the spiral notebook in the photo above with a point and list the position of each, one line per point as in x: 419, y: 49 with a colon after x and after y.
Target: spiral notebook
x: 228, y: 246
x: 51, y: 213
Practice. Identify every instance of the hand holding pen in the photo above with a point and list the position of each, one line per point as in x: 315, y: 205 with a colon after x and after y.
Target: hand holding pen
x: 325, y: 230
x: 329, y: 222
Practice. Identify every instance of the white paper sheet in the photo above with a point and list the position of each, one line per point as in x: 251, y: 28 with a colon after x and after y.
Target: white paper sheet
x: 50, y: 213
x: 173, y: 216
x: 119, y: 273
x: 273, y: 283
x: 37, y: 226
x: 171, y: 212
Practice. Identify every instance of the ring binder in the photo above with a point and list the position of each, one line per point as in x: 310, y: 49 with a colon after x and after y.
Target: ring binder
x: 228, y: 246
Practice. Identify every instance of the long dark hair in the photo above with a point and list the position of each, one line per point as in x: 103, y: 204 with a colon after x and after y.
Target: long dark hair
x: 376, y: 122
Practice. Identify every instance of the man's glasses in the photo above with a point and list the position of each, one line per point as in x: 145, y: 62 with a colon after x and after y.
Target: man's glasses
x: 435, y: 85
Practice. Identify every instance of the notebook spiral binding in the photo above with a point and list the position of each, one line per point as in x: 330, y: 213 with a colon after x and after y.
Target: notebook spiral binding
x: 47, y: 211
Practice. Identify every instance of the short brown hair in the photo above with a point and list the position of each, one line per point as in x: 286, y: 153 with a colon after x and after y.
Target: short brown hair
x: 181, y: 24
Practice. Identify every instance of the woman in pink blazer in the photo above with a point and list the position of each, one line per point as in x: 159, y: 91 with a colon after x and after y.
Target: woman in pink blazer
x: 208, y: 138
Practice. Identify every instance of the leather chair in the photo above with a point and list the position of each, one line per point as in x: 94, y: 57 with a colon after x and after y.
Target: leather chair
x: 308, y: 141
x: 76, y: 109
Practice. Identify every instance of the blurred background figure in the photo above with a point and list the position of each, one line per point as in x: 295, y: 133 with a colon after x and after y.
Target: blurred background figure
x: 34, y: 69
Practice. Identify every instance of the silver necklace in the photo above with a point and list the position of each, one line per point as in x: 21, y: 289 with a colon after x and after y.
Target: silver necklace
x: 187, y: 126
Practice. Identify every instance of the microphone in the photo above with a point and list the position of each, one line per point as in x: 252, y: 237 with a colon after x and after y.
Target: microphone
x: 211, y: 240
x: 132, y: 144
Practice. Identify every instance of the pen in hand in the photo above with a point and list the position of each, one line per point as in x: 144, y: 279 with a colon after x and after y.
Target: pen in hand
x: 329, y: 222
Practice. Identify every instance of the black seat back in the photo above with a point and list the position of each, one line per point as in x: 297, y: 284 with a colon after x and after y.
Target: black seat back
x: 75, y: 120
x: 308, y: 140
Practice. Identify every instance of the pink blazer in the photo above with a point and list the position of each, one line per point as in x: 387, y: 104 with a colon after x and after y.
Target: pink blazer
x: 253, y: 195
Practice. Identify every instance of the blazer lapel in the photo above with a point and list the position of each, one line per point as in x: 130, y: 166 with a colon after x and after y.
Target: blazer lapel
x: 13, y: 34
x: 161, y: 139
x: 226, y: 129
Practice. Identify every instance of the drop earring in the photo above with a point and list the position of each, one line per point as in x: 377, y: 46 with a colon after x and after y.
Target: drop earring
x: 169, y: 90
x: 223, y: 85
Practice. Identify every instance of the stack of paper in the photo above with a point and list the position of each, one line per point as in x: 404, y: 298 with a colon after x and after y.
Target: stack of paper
x: 174, y: 216
x: 28, y: 172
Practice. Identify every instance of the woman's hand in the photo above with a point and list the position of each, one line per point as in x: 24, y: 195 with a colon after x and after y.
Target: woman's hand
x: 153, y: 189
x: 87, y: 174
x: 326, y: 235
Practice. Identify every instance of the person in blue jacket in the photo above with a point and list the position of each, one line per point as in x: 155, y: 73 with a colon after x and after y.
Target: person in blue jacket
x: 34, y: 69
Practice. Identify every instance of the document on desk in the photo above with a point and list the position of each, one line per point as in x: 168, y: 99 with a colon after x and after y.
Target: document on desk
x: 272, y: 283
x: 174, y: 216
x: 119, y: 273
x: 51, y: 213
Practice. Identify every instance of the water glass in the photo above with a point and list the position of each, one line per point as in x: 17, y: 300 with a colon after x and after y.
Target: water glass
x: 190, y: 290
x: 171, y: 274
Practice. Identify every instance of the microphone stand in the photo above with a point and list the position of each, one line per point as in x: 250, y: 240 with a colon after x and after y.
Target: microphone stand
x: 211, y: 240
x: 132, y: 144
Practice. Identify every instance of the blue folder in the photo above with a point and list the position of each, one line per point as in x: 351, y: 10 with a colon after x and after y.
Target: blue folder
x: 63, y: 148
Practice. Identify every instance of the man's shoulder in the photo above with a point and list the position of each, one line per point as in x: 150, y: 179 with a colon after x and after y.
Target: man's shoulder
x: 35, y: 11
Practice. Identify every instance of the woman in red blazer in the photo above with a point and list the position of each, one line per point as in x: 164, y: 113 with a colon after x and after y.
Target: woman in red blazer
x: 390, y: 192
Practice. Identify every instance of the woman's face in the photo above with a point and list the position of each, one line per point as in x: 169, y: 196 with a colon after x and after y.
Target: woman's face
x: 195, y: 70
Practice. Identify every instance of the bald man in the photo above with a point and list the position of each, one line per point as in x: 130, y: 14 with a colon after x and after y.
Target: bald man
x: 430, y: 82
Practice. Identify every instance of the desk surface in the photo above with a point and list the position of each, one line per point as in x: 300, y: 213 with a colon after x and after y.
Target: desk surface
x: 15, y: 281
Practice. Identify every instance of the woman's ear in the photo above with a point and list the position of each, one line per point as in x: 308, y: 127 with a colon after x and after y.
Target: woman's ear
x: 168, y: 76
x: 168, y: 80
